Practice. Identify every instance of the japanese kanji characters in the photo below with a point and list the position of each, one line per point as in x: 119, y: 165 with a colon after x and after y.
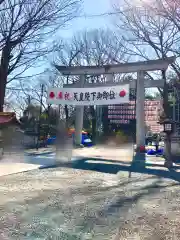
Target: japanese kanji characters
x: 92, y: 96
x: 123, y: 113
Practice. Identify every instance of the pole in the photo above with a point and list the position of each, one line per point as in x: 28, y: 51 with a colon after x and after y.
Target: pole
x: 79, y: 117
x: 167, y: 148
x: 40, y: 112
x: 140, y: 118
x: 48, y: 119
x: 134, y: 137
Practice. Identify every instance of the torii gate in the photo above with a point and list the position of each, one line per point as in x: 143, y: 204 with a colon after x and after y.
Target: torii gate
x: 109, y: 70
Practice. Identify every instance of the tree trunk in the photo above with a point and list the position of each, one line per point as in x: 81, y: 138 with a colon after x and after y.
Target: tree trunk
x: 3, y: 74
x: 2, y: 91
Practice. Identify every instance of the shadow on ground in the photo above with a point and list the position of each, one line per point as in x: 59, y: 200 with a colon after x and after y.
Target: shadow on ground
x: 138, y: 165
x: 74, y: 209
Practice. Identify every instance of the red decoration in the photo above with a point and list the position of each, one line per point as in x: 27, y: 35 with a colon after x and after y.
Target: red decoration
x: 60, y: 95
x: 122, y: 93
x: 142, y: 148
x: 51, y: 95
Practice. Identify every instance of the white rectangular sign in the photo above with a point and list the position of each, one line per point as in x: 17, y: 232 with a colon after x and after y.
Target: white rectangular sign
x: 89, y: 96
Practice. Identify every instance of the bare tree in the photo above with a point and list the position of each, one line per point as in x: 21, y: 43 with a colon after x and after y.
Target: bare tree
x: 16, y: 102
x: 168, y: 10
x: 1, y: 1
x: 96, y: 47
x: 150, y: 35
x: 25, y: 28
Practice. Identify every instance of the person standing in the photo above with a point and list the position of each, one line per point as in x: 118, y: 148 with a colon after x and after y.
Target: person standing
x: 148, y: 137
x: 157, y: 140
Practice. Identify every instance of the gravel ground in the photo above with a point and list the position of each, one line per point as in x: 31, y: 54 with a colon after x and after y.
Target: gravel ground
x: 71, y: 204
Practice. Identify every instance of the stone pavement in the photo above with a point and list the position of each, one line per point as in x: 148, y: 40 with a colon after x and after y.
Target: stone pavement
x: 45, y: 157
x: 124, y: 153
x: 15, y: 163
x: 40, y: 151
x: 124, y: 156
x: 88, y: 151
x: 12, y: 168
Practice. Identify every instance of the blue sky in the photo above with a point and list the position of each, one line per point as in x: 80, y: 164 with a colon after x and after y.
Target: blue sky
x: 90, y: 7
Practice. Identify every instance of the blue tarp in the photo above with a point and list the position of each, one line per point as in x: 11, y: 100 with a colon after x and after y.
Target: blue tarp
x: 85, y: 140
x: 154, y: 152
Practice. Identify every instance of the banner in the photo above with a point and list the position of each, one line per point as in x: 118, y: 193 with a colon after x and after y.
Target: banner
x: 89, y: 96
x: 126, y: 113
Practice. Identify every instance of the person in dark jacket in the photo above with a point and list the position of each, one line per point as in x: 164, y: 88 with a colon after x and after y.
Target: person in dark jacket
x: 157, y: 140
x: 149, y: 138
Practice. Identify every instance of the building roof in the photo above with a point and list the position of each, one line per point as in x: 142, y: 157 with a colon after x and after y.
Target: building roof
x: 8, y: 118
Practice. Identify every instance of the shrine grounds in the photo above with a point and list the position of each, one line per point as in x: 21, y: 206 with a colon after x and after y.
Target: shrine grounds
x: 67, y: 203
x: 100, y: 194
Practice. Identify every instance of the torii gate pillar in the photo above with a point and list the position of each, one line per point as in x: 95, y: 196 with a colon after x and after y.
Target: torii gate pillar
x: 140, y: 118
x: 79, y: 124
x: 79, y: 116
